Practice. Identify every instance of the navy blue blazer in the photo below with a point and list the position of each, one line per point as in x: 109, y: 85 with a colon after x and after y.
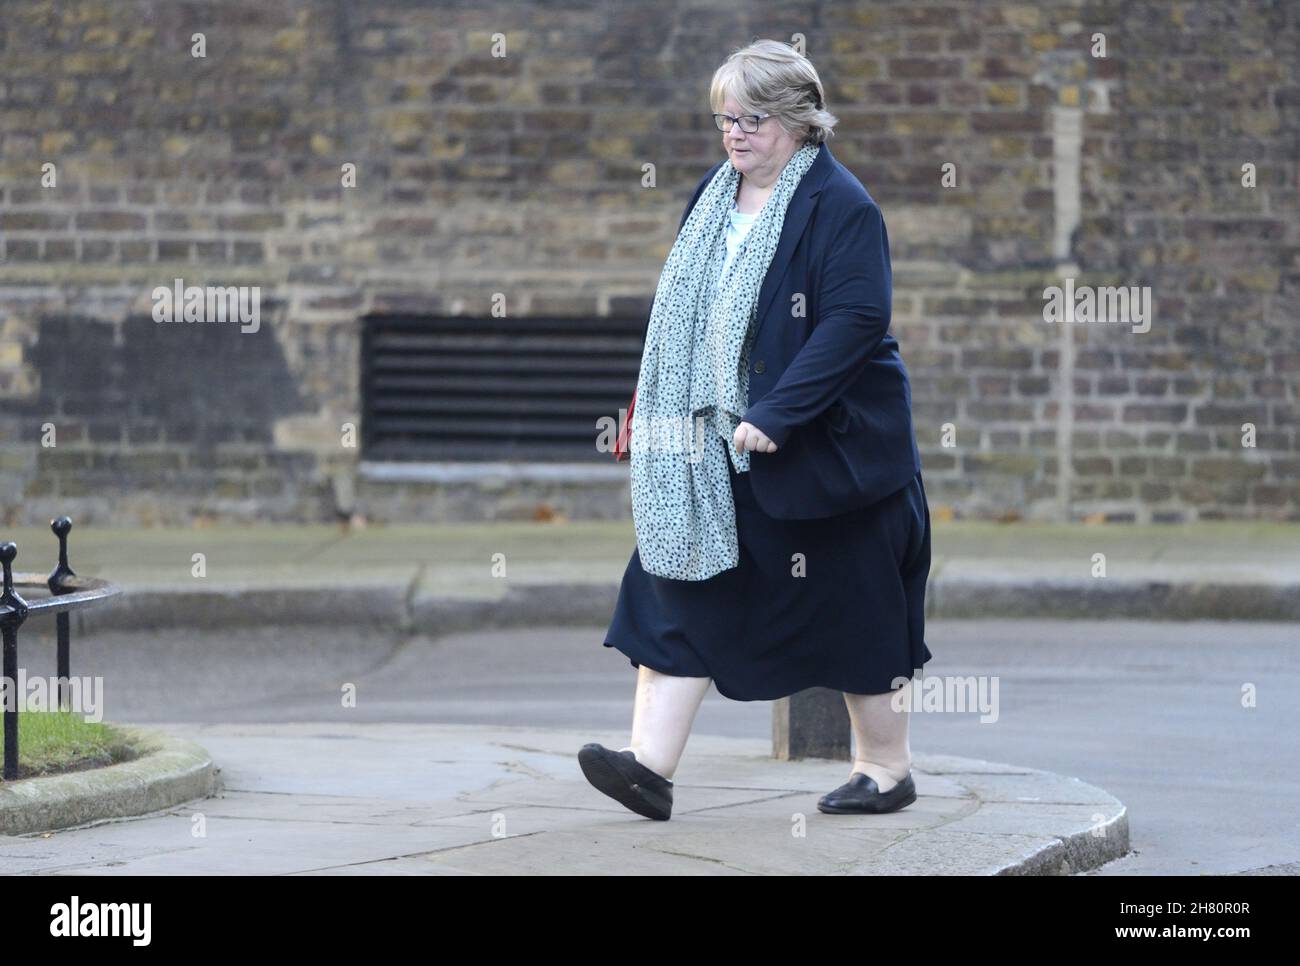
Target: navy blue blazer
x: 826, y: 381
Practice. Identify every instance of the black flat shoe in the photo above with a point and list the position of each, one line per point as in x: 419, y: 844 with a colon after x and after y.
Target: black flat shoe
x: 861, y: 794
x: 620, y: 776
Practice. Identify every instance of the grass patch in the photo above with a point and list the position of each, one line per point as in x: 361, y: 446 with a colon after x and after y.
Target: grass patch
x: 53, y: 742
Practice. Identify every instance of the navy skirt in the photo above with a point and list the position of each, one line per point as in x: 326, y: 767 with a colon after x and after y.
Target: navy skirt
x: 837, y: 602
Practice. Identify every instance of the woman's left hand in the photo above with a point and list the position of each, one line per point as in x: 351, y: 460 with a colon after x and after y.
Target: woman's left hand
x: 750, y: 437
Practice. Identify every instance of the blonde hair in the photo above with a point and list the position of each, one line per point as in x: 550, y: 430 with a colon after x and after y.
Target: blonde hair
x: 771, y: 77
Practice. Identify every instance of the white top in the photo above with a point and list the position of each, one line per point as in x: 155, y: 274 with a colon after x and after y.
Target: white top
x: 737, y: 228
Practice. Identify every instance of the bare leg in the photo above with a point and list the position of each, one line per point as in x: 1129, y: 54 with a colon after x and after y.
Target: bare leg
x: 661, y: 723
x: 880, y: 738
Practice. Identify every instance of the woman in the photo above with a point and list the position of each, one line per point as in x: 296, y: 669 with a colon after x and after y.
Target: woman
x: 783, y: 534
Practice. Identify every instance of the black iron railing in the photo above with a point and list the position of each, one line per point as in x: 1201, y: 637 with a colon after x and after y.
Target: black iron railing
x: 69, y: 592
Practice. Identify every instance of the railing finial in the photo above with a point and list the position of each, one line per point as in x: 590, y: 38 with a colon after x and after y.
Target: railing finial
x: 13, y: 609
x: 61, y: 574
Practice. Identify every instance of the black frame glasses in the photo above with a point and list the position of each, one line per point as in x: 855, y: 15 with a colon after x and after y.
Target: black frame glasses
x: 723, y: 122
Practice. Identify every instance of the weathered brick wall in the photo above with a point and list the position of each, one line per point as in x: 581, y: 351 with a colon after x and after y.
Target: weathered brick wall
x: 522, y: 175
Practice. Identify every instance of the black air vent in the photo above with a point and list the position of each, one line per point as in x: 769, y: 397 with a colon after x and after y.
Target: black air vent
x: 493, y: 389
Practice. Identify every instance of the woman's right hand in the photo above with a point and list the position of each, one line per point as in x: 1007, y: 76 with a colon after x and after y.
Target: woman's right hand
x: 750, y: 437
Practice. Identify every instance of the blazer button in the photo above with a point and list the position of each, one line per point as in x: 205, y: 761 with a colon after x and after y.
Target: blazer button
x: 760, y: 366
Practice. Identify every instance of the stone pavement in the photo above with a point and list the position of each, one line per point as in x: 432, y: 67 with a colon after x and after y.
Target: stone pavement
x: 460, y: 799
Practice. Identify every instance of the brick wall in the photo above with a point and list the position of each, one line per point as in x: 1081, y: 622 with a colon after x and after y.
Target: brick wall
x: 522, y: 175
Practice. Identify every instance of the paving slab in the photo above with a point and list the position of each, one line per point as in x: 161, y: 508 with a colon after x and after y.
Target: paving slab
x: 396, y: 799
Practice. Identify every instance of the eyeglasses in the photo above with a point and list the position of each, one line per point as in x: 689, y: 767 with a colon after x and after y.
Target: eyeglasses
x: 748, y: 123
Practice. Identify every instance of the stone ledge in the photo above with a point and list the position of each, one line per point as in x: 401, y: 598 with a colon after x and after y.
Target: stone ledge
x: 473, y: 472
x: 169, y: 772
x: 399, y: 606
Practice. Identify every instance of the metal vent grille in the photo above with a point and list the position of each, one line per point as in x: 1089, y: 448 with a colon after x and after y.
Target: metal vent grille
x: 493, y: 389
